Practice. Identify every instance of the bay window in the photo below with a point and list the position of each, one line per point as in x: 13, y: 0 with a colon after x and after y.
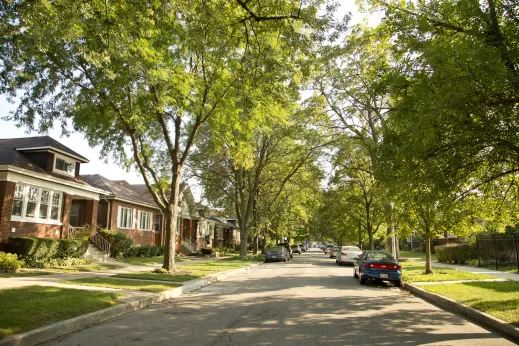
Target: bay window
x: 32, y: 203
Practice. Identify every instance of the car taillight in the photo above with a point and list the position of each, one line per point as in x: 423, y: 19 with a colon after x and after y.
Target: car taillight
x: 382, y: 266
x: 281, y: 252
x: 344, y: 254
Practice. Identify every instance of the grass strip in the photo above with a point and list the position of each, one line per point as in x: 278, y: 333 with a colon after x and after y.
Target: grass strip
x: 84, y: 268
x: 415, y: 255
x: 499, y: 299
x: 22, y: 274
x: 192, y: 271
x: 131, y: 285
x: 415, y: 272
x: 148, y: 260
x: 32, y: 307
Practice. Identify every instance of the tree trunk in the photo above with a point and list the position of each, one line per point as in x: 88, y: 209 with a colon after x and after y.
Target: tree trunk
x: 428, y: 262
x: 389, y: 240
x: 264, y: 242
x: 255, y: 245
x: 244, y: 234
x: 171, y: 215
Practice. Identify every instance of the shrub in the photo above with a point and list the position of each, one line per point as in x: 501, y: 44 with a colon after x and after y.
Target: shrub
x: 154, y: 251
x: 34, y: 248
x: 72, y: 248
x: 120, y: 244
x: 9, y: 262
x: 455, y: 253
x: 206, y: 251
x: 145, y: 251
x: 64, y: 262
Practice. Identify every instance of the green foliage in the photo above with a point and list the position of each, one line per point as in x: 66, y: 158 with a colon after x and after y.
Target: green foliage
x: 9, y: 262
x: 455, y: 253
x: 72, y: 248
x: 145, y: 251
x: 63, y: 262
x: 119, y: 242
x: 206, y: 251
x: 34, y: 248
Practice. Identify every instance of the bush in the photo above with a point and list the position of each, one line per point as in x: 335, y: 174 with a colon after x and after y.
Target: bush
x: 34, y: 248
x: 72, y: 248
x: 145, y: 251
x: 154, y: 251
x: 120, y: 244
x: 65, y: 262
x: 206, y: 251
x: 9, y: 262
x: 455, y: 253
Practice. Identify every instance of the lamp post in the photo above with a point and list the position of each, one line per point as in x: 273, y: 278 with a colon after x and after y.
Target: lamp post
x: 389, y: 210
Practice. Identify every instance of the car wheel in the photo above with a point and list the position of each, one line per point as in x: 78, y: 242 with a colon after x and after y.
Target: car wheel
x: 285, y: 259
x: 362, y: 280
x: 398, y: 283
x: 267, y: 261
x: 355, y: 274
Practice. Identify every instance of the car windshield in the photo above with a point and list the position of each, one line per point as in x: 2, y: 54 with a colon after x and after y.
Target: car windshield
x: 380, y: 256
x: 350, y: 248
x: 276, y: 248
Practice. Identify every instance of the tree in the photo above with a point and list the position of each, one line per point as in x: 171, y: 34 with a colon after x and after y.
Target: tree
x: 148, y: 75
x: 281, y: 150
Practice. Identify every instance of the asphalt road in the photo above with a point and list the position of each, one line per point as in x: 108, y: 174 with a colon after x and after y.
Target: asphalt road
x: 307, y: 301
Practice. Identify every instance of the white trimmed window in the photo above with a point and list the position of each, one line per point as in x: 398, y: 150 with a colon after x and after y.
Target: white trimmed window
x: 144, y: 220
x: 64, y: 165
x: 124, y: 218
x: 178, y: 226
x: 32, y: 203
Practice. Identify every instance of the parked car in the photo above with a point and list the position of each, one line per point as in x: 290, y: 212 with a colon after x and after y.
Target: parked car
x: 289, y: 249
x: 334, y: 251
x: 377, y: 265
x: 303, y: 247
x: 328, y: 248
x: 348, y: 254
x: 296, y: 248
x: 276, y: 253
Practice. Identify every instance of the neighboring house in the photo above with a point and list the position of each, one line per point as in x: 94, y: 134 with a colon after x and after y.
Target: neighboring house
x: 124, y: 209
x: 41, y: 192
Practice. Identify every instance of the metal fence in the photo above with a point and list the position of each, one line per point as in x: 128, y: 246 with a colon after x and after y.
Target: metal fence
x: 498, y: 251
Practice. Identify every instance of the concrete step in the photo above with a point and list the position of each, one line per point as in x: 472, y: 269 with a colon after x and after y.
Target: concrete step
x: 94, y: 254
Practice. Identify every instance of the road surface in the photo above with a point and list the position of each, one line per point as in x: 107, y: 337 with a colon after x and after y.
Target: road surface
x: 308, y: 301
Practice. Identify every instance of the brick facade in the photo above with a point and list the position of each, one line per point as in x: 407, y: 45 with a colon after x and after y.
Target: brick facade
x: 142, y: 238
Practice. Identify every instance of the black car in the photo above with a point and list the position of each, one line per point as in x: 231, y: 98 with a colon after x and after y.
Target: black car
x: 287, y: 246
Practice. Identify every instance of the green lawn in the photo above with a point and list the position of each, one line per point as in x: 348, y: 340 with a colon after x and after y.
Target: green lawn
x: 84, y: 268
x: 23, y: 273
x: 416, y: 256
x: 36, y: 306
x: 499, y: 299
x: 132, y: 285
x: 147, y: 260
x: 193, y: 271
x: 415, y: 272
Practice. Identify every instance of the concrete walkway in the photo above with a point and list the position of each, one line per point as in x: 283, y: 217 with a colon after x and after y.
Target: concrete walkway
x: 485, y: 271
x: 54, y: 279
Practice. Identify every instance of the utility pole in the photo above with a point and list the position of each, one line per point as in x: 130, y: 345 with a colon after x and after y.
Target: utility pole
x: 391, y: 242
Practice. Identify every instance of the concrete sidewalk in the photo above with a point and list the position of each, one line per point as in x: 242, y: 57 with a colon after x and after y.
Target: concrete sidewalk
x: 476, y: 270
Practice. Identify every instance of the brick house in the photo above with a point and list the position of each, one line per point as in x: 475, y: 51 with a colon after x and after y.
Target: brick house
x: 41, y: 191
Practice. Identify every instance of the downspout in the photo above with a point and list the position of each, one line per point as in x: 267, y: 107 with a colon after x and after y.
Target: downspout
x: 162, y: 229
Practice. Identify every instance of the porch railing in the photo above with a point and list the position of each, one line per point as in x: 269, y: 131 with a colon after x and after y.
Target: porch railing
x: 101, y: 242
x: 188, y: 245
x: 95, y: 237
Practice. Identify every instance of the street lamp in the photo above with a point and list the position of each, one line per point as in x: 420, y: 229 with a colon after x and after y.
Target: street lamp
x: 389, y: 210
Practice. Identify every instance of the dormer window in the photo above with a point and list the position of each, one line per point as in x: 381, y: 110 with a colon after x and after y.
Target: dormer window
x: 64, y: 165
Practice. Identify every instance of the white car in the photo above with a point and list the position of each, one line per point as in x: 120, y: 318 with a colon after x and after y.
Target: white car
x: 327, y: 249
x: 348, y: 254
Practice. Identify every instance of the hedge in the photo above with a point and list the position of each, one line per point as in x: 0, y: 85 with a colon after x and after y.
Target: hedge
x: 120, y: 244
x: 206, y: 251
x: 35, y: 248
x: 455, y: 253
x: 145, y: 251
x: 74, y: 248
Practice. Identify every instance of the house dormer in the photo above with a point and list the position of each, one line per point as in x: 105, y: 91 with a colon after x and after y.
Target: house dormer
x: 52, y: 156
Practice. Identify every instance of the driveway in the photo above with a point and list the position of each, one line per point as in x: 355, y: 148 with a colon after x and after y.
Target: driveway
x: 307, y: 301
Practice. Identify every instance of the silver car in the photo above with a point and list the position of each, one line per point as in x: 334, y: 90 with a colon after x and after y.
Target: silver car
x: 348, y: 254
x: 277, y: 253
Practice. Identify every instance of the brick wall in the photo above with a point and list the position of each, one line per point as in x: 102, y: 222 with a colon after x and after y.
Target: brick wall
x: 142, y: 238
x: 6, y: 206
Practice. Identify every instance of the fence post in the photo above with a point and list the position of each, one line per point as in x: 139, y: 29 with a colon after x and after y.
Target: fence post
x: 477, y: 249
x: 516, y: 252
x: 495, y: 253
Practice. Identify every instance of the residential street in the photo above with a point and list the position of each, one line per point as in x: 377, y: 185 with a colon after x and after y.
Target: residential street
x: 307, y: 301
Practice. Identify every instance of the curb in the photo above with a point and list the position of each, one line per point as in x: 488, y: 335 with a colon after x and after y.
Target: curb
x: 484, y: 319
x: 52, y: 331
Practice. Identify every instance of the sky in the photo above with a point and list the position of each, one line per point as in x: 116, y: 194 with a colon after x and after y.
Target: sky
x: 105, y: 167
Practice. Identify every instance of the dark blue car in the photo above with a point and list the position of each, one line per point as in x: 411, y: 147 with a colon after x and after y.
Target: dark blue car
x: 378, y: 265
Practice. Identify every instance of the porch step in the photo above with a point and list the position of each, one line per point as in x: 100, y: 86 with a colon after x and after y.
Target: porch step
x: 94, y: 254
